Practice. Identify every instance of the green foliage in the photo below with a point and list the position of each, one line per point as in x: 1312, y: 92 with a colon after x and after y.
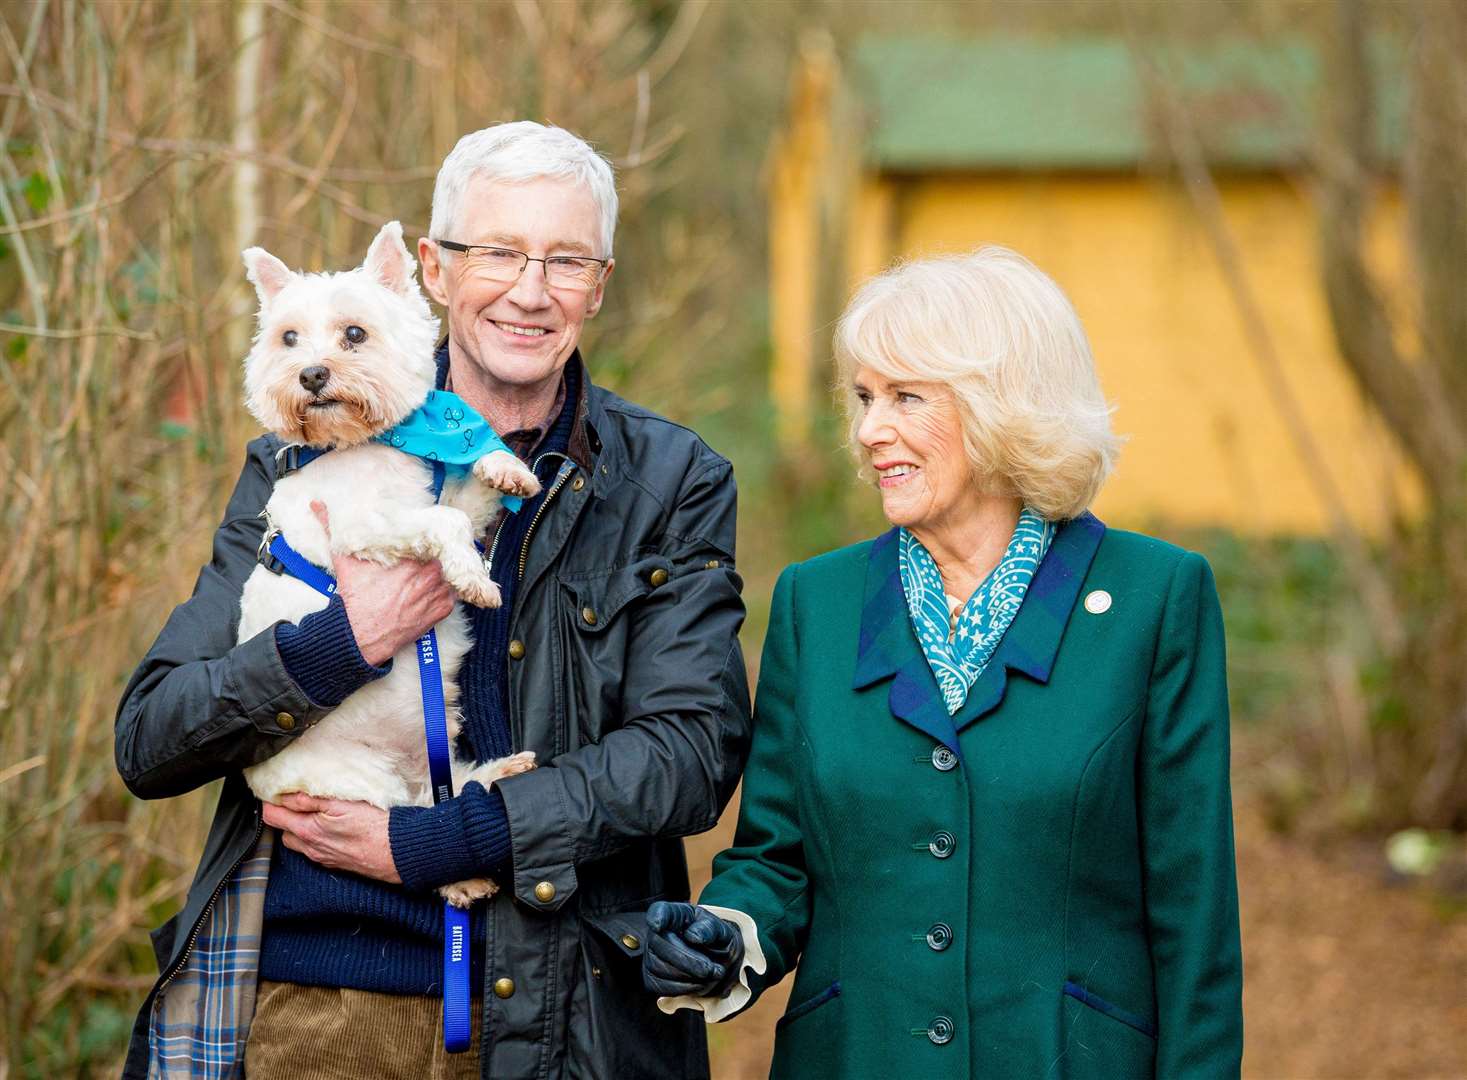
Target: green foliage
x: 37, y: 191
x: 1283, y: 598
x: 105, y: 1027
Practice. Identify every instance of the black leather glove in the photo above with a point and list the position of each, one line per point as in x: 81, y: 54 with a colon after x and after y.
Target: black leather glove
x: 690, y: 950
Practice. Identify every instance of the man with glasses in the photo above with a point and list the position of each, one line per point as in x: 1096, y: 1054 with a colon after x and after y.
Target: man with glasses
x: 614, y: 658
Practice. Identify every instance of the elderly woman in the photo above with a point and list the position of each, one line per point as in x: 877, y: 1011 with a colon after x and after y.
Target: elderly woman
x: 987, y: 814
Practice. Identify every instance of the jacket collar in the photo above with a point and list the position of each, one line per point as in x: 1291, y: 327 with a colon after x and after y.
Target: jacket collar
x: 888, y: 648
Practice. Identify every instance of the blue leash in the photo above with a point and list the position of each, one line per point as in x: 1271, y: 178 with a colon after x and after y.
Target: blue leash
x: 457, y: 1018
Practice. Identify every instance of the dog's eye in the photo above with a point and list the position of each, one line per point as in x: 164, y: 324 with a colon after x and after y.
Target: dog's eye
x: 356, y: 335
x: 290, y: 337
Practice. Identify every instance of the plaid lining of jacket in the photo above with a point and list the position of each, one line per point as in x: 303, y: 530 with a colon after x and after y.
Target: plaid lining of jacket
x: 201, y: 1018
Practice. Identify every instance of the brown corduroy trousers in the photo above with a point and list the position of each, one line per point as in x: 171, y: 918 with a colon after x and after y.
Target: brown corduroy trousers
x: 322, y: 1033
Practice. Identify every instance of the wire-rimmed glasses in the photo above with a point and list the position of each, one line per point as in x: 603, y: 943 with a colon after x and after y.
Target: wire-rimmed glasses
x: 507, y: 264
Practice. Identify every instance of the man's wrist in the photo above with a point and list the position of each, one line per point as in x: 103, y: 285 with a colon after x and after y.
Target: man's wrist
x: 465, y: 837
x: 320, y: 654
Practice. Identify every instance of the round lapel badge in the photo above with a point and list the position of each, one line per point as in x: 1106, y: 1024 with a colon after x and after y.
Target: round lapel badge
x: 1098, y: 602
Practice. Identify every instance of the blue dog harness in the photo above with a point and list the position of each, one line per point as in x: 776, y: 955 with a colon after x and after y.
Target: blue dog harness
x: 457, y: 1021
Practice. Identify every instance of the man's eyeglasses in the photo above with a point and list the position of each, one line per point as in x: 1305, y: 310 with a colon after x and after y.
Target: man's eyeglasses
x: 507, y: 264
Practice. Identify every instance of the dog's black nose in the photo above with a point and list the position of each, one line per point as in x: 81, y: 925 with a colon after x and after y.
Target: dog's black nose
x: 313, y: 378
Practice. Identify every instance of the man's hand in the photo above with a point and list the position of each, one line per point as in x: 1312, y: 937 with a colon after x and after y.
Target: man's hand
x: 339, y: 835
x: 388, y: 607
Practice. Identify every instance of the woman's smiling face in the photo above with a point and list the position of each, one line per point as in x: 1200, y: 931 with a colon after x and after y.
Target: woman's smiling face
x: 912, y: 435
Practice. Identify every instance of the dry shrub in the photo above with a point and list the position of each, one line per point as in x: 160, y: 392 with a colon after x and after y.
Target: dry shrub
x: 141, y: 146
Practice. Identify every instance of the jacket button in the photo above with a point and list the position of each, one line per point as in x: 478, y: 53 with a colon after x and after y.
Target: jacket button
x: 504, y: 988
x: 712, y: 564
x: 941, y: 1030
x: 939, y: 936
x: 516, y: 649
x: 659, y: 577
x: 942, y: 844
x: 631, y: 941
x: 285, y: 720
x: 544, y: 892
x: 578, y: 483
x: 943, y: 759
x: 589, y: 614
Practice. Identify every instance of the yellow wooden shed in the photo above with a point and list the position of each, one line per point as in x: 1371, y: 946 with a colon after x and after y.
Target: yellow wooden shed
x: 1059, y: 148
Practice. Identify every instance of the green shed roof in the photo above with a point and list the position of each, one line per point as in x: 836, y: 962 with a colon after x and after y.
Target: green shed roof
x: 1007, y: 102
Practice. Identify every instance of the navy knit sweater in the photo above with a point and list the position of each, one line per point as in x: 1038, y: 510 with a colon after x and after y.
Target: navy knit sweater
x: 326, y: 928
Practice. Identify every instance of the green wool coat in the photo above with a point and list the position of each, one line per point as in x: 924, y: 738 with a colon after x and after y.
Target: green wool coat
x: 1039, y: 886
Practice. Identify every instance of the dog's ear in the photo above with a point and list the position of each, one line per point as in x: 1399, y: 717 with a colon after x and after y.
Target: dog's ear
x: 267, y: 273
x: 388, y: 260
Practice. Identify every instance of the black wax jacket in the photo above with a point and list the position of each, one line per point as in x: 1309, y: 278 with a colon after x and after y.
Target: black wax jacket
x: 631, y: 690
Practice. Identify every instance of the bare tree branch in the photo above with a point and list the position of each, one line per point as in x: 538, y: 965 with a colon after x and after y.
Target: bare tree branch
x: 1436, y: 189
x: 1187, y: 151
x: 1415, y: 409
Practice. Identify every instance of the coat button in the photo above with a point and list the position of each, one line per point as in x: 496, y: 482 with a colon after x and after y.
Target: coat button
x: 659, y: 577
x: 578, y: 483
x: 504, y: 988
x: 544, y: 892
x: 942, y: 844
x: 939, y: 936
x: 941, y: 1030
x: 943, y: 759
x: 1098, y: 602
x: 631, y: 941
x: 285, y: 720
x: 712, y: 564
x: 589, y: 614
x: 516, y: 649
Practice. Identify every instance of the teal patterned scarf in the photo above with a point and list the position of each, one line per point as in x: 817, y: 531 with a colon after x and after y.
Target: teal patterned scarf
x: 446, y: 429
x: 958, y: 651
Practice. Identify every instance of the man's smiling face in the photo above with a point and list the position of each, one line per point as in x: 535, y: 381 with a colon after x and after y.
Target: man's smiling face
x: 519, y: 335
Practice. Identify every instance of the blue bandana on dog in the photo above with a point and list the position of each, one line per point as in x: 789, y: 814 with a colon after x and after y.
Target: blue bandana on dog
x: 445, y: 428
x: 958, y: 654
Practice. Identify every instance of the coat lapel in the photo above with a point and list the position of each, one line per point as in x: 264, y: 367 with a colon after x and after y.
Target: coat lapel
x: 887, y: 647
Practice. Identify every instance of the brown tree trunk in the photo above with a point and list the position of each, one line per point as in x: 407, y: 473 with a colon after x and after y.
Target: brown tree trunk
x: 1422, y: 397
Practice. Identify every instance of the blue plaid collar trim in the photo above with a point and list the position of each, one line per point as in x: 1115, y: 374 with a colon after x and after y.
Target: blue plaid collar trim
x: 887, y: 647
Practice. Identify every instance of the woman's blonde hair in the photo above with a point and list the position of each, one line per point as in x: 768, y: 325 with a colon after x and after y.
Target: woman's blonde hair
x: 1003, y: 337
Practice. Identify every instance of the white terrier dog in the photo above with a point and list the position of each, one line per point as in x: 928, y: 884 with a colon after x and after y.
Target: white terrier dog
x: 338, y: 359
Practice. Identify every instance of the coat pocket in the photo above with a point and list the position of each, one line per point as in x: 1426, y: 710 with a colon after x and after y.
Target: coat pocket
x: 1103, y: 1041
x: 599, y: 596
x: 600, y: 608
x: 625, y: 930
x: 809, y: 1005
x: 615, y: 1028
x: 1115, y: 1012
x: 810, y: 1039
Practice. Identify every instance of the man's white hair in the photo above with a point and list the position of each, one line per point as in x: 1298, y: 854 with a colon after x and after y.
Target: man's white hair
x: 514, y: 153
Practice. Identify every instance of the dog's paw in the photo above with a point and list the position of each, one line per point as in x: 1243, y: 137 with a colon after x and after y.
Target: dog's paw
x: 515, y: 764
x: 503, y: 471
x: 498, y: 769
x: 463, y: 893
x: 480, y: 591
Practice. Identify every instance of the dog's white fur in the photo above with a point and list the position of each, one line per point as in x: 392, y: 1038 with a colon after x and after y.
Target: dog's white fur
x: 370, y: 748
